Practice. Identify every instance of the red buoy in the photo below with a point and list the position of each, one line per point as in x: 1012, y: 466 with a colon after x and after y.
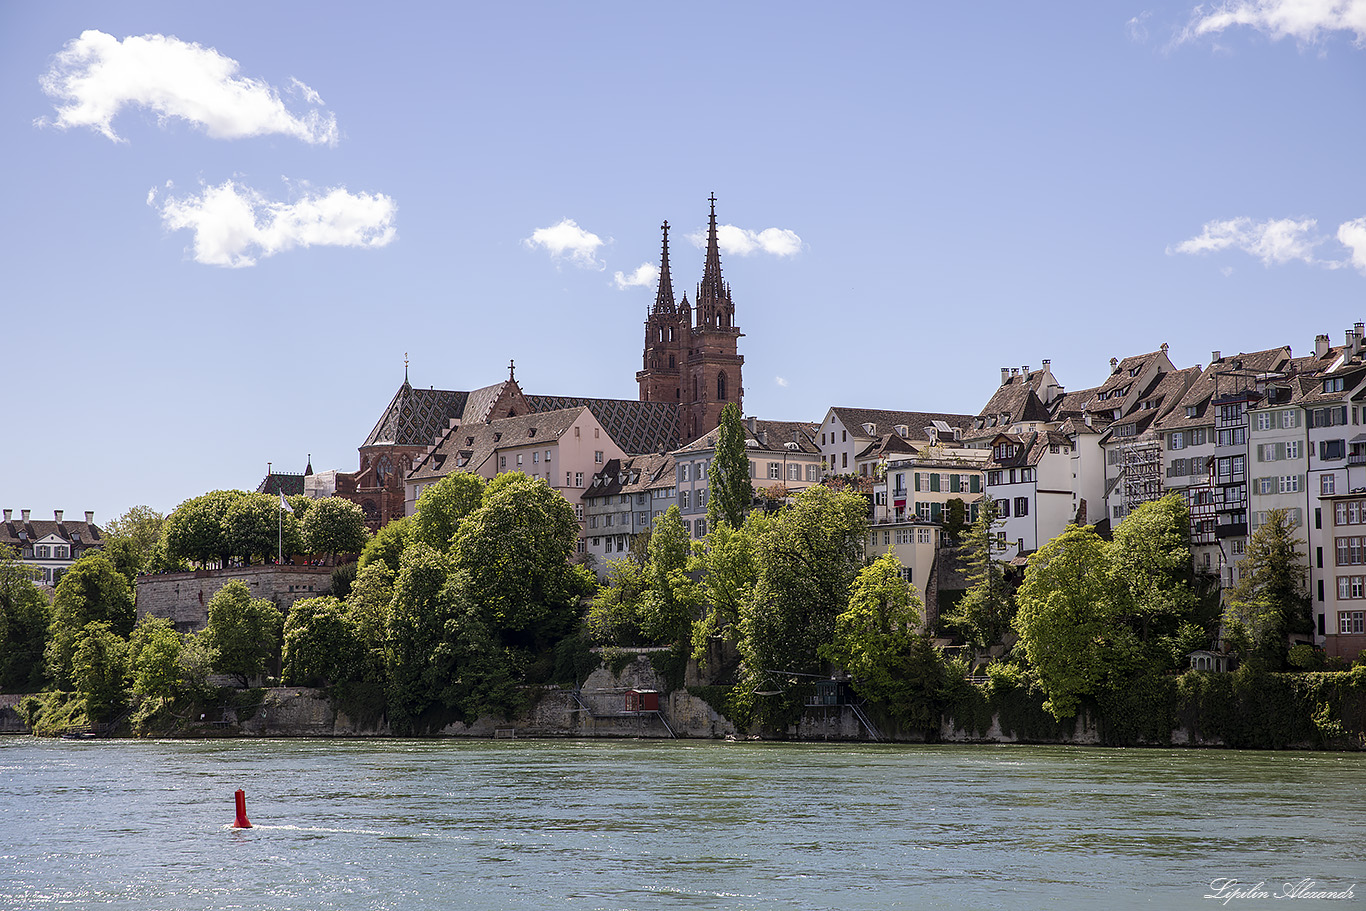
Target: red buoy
x: 241, y: 822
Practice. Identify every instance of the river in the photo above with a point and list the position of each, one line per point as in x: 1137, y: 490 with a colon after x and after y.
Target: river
x: 397, y: 824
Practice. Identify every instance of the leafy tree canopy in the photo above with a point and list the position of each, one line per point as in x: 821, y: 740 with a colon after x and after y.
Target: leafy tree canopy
x: 196, y: 529
x: 334, y: 526
x: 730, y: 490
x: 243, y: 632
x: 255, y: 526
x: 443, y: 506
x: 1269, y: 602
x: 24, y: 621
x: 92, y: 590
x: 387, y: 545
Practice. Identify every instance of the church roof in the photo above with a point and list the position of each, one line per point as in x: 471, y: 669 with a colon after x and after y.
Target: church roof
x: 280, y: 482
x: 416, y: 417
x: 637, y: 427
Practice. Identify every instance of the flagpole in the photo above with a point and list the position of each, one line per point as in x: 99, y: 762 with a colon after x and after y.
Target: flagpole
x: 280, y: 534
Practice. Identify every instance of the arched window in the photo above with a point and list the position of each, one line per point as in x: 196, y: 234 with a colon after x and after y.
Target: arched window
x: 721, y: 386
x: 671, y: 333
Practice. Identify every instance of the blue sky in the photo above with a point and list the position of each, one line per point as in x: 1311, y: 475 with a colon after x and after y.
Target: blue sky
x: 223, y: 235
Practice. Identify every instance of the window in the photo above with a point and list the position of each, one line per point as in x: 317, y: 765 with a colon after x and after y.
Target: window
x: 566, y: 479
x: 922, y: 536
x: 502, y: 462
x: 1004, y: 511
x: 592, y: 521
x: 1332, y: 384
x: 701, y: 528
x: 1026, y: 474
x: 1021, y: 506
x: 1351, y: 622
x: 597, y: 456
x: 1199, y: 436
x: 683, y: 499
x: 1332, y: 450
x: 1288, y: 420
x: 535, y: 458
x: 1192, y: 411
x: 811, y: 471
x: 1176, y: 441
x: 994, y: 477
x: 1349, y: 551
x: 1327, y: 483
x: 519, y: 458
x: 775, y: 471
x: 683, y: 471
x: 794, y: 472
x: 547, y: 456
x: 844, y: 460
x: 578, y: 478
x: 42, y: 552
x: 1264, y: 420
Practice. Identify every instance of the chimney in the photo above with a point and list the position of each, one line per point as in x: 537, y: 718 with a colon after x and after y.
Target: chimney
x: 9, y: 515
x: 1360, y: 329
x: 57, y: 515
x: 752, y: 424
x: 90, y: 517
x: 23, y: 515
x: 1005, y: 375
x: 1114, y: 364
x: 1351, y: 337
x: 1024, y: 371
x: 1014, y: 371
x: 1164, y: 347
x: 1214, y: 356
x: 1320, y: 345
x: 1046, y: 362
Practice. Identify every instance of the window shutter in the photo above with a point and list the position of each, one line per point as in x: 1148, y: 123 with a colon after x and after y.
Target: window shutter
x: 975, y: 484
x: 934, y: 482
x: 1309, y: 418
x: 1343, y: 410
x: 917, y: 480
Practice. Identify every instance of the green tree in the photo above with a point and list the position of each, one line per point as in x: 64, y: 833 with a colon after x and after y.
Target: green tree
x: 513, y: 554
x: 321, y: 644
x: 387, y: 545
x: 1068, y: 621
x: 334, y: 526
x: 256, y: 526
x: 730, y: 490
x: 154, y: 658
x: 614, y: 614
x: 99, y: 670
x: 92, y: 590
x: 806, y: 562
x: 243, y: 632
x: 1151, y: 562
x: 443, y: 506
x: 1269, y: 603
x: 729, y: 571
x: 133, y: 542
x: 956, y: 523
x: 195, y: 529
x: 983, y: 615
x: 423, y: 604
x: 654, y: 602
x: 24, y: 621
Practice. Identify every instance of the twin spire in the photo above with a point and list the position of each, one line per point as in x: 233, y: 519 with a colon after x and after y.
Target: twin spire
x: 713, y: 294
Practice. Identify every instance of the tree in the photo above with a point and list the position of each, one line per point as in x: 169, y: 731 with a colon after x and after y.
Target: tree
x: 387, y: 545
x: 321, y: 645
x: 423, y: 604
x: 243, y: 632
x: 195, y: 529
x: 24, y: 621
x: 1151, y: 561
x: 983, y: 615
x: 1269, y: 603
x: 133, y: 542
x: 1068, y: 620
x: 513, y: 554
x: 806, y: 563
x: 614, y: 614
x: 876, y: 642
x: 729, y: 574
x: 334, y: 526
x: 154, y: 658
x: 255, y: 525
x: 444, y: 505
x: 92, y: 590
x: 99, y: 670
x: 956, y: 524
x: 654, y: 602
x: 730, y: 490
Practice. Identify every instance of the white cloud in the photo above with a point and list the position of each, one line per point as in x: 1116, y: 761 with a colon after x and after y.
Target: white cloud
x: 744, y: 242
x: 566, y: 240
x: 781, y: 381
x: 235, y: 225
x: 645, y: 276
x: 1275, y: 241
x: 1352, y: 235
x: 1137, y: 27
x: 95, y: 76
x: 1303, y: 20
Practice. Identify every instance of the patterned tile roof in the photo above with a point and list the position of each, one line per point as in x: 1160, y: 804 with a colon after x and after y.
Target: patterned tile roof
x: 277, y: 482
x: 637, y: 427
x: 416, y: 417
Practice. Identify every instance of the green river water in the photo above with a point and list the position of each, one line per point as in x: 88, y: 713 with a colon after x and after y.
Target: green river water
x: 396, y: 824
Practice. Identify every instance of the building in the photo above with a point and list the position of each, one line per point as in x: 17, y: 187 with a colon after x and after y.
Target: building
x: 621, y: 502
x: 783, y: 459
x: 691, y: 357
x: 853, y: 440
x: 921, y: 485
x: 915, y: 542
x: 50, y: 546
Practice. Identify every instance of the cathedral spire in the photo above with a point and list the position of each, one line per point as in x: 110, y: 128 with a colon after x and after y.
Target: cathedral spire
x: 711, y: 292
x: 664, y: 297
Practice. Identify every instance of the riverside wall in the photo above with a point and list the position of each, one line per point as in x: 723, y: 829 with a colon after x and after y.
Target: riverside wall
x: 184, y: 597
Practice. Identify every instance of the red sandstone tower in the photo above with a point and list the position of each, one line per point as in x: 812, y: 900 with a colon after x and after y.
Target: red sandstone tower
x: 694, y: 364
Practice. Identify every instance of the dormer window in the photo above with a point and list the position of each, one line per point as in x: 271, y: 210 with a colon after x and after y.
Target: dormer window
x: 1192, y: 410
x: 1133, y: 371
x: 1332, y: 384
x: 1126, y: 430
x: 870, y: 428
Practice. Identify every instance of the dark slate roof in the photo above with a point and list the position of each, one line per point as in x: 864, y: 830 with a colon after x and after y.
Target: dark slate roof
x: 889, y: 444
x: 886, y: 421
x: 416, y: 417
x: 37, y: 529
x: 469, y: 446
x: 1032, y: 447
x: 279, y: 482
x: 637, y: 427
x: 767, y: 436
x: 1201, y: 391
x: 637, y: 474
x: 1308, y: 390
x: 1017, y: 397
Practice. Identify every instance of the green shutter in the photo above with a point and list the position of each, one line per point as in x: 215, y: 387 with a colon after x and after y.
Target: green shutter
x: 917, y: 480
x: 955, y: 485
x: 934, y: 482
x: 936, y: 511
x: 974, y: 486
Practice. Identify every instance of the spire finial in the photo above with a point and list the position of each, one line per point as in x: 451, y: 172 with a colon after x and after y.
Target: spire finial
x: 405, y: 368
x: 664, y: 297
x: 512, y: 371
x: 711, y: 292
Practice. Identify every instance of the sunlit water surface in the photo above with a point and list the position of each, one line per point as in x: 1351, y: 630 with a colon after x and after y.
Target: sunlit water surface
x: 397, y: 824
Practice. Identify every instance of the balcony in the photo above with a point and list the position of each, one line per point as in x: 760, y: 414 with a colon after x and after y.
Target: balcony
x: 1357, y: 458
x: 1231, y: 530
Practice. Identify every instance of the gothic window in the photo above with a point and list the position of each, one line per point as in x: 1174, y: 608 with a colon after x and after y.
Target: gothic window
x: 671, y: 360
x: 371, y: 511
x: 671, y: 333
x: 721, y: 386
x: 383, y: 470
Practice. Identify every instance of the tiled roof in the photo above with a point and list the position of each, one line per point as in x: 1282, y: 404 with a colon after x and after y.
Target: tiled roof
x: 37, y: 529
x: 1018, y: 399
x: 886, y: 421
x: 767, y: 436
x: 1201, y: 391
x: 469, y: 446
x: 637, y: 474
x: 1308, y: 390
x: 637, y: 427
x: 416, y: 417
x: 1127, y: 371
x: 278, y: 482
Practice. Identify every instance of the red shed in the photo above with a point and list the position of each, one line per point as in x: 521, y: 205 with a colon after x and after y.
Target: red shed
x: 642, y: 700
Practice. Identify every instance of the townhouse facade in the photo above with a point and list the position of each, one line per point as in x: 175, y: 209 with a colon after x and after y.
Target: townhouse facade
x: 621, y: 502
x: 49, y: 546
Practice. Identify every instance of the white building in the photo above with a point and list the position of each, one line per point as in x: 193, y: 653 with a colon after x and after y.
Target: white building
x: 50, y: 546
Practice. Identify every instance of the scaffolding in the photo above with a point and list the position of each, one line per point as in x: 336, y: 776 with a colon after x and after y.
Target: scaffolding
x: 1140, y: 471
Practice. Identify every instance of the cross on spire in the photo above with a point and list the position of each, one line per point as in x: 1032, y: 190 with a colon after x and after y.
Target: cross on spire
x: 405, y: 368
x: 664, y: 297
x: 512, y: 371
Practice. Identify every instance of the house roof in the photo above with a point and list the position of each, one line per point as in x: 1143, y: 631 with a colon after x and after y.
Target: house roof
x: 19, y: 534
x: 1200, y: 393
x: 637, y: 427
x: 416, y: 417
x: 636, y: 474
x: 1018, y: 398
x: 280, y: 482
x: 915, y: 422
x: 468, y: 446
x: 766, y: 436
x: 1164, y: 393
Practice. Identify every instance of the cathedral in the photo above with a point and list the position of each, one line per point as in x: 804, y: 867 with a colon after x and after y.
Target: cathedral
x: 693, y: 364
x: 690, y: 371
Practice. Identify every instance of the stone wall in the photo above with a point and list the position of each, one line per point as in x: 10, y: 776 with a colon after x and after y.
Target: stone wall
x: 184, y: 597
x: 10, y: 722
